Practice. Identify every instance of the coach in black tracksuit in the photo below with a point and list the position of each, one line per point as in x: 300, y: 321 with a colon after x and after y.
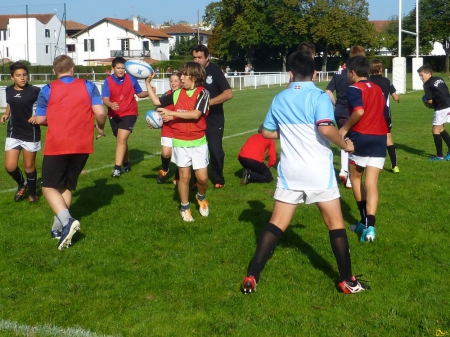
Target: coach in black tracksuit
x: 220, y: 92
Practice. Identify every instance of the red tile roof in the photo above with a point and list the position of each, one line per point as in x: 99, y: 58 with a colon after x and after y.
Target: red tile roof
x: 380, y: 24
x: 73, y: 25
x: 143, y: 29
x: 4, y: 18
x: 179, y: 29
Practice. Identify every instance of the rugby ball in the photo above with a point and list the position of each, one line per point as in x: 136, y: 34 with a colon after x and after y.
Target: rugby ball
x: 153, y: 119
x: 138, y: 68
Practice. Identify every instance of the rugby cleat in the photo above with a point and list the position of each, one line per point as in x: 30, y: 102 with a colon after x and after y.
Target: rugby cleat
x: 353, y: 286
x: 248, y: 284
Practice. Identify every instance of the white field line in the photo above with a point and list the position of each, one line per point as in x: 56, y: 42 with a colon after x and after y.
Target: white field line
x: 145, y: 157
x: 46, y: 330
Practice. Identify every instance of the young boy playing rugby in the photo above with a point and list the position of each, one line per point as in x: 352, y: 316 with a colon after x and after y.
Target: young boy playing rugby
x: 118, y: 95
x: 368, y: 129
x: 68, y: 106
x: 302, y: 118
x: 376, y: 69
x: 190, y: 148
x: 437, y: 97
x: 22, y: 132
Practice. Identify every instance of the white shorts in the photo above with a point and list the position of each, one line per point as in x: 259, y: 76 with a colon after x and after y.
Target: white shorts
x: 441, y: 116
x: 12, y: 143
x: 377, y: 162
x: 197, y: 157
x: 307, y: 197
x: 166, y: 141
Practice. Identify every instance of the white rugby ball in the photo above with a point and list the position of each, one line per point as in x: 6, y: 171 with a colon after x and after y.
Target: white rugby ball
x: 154, y: 119
x: 138, y: 68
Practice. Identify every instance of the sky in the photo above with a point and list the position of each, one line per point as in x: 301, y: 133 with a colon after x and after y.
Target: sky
x: 89, y: 12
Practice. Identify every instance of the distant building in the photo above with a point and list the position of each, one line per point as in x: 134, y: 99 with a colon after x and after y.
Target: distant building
x: 108, y: 38
x: 37, y: 38
x: 179, y: 32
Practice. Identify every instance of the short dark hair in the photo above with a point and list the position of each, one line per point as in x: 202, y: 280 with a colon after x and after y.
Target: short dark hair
x: 118, y: 60
x: 17, y: 65
x: 425, y: 69
x: 307, y: 46
x: 201, y: 47
x: 301, y: 65
x: 360, y: 65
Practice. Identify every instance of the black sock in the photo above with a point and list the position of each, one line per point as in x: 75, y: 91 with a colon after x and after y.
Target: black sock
x: 392, y: 155
x: 165, y: 163
x: 362, y: 210
x: 341, y: 251
x: 17, y: 176
x: 177, y: 174
x: 266, y: 245
x: 125, y: 164
x: 438, y: 144
x: 31, y: 182
x: 370, y: 220
x: 117, y: 167
x: 446, y: 137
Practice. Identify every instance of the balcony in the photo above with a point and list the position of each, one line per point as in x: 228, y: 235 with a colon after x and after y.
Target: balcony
x: 130, y: 53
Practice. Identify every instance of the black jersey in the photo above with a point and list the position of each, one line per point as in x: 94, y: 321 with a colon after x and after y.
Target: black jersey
x: 215, y: 83
x: 340, y: 83
x: 436, y: 89
x: 388, y: 89
x: 22, y: 104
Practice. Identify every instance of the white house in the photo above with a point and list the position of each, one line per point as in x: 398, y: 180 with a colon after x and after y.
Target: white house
x: 37, y: 38
x: 179, y: 32
x: 108, y: 38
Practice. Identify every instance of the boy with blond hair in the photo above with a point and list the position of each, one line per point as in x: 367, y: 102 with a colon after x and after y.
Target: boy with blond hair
x: 69, y: 107
x: 190, y: 148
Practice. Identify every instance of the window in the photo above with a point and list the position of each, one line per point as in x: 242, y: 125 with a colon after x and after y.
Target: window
x: 145, y: 45
x: 125, y: 44
x: 89, y: 45
x: 156, y: 43
x: 47, y: 49
x: 47, y: 33
x: 71, y: 48
x: 7, y: 52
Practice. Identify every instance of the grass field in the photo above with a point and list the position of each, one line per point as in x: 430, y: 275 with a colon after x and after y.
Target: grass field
x: 136, y: 269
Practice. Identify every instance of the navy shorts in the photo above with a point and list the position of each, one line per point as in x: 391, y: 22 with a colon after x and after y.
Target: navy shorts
x: 63, y: 170
x: 124, y: 123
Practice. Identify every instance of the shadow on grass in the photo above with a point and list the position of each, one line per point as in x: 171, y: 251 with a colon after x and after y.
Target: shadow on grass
x: 259, y: 217
x: 136, y: 156
x: 412, y: 150
x: 95, y: 197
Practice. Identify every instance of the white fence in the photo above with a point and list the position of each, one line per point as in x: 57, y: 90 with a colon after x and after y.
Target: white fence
x: 238, y: 82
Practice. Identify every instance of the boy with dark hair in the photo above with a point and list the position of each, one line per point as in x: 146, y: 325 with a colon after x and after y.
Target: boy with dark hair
x: 302, y: 118
x: 437, y: 97
x: 376, y: 69
x: 368, y: 129
x: 308, y: 47
x: 68, y: 106
x: 340, y: 83
x: 252, y: 157
x: 22, y: 131
x: 190, y: 148
x: 220, y: 92
x: 118, y: 94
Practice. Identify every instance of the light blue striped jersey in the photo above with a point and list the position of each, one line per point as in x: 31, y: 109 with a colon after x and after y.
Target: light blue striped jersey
x: 306, y: 160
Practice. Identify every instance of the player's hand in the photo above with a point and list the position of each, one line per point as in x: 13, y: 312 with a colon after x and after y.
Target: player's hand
x: 342, y: 131
x: 350, y: 146
x: 4, y: 118
x: 101, y: 132
x: 150, y: 78
x: 114, y: 106
x: 32, y: 120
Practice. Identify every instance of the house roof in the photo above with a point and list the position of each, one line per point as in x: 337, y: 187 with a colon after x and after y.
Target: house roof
x: 43, y: 18
x: 143, y: 29
x: 73, y: 25
x: 380, y: 24
x: 179, y: 29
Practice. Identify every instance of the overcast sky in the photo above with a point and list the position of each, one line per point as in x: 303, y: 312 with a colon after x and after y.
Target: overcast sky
x: 90, y: 11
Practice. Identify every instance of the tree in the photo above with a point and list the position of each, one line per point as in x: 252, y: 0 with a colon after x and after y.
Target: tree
x: 336, y: 25
x: 388, y: 37
x: 184, y: 45
x: 434, y: 25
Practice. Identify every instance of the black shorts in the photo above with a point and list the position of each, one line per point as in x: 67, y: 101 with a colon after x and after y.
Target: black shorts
x: 63, y: 170
x: 124, y: 123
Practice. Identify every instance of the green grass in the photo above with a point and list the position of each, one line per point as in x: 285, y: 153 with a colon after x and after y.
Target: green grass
x: 136, y: 269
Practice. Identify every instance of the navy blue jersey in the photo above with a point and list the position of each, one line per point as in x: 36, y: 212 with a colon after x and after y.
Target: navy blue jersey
x: 387, y: 88
x: 436, y: 89
x: 215, y: 83
x: 340, y: 83
x: 22, y: 103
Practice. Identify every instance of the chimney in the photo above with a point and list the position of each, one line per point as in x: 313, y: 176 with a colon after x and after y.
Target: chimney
x: 135, y: 23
